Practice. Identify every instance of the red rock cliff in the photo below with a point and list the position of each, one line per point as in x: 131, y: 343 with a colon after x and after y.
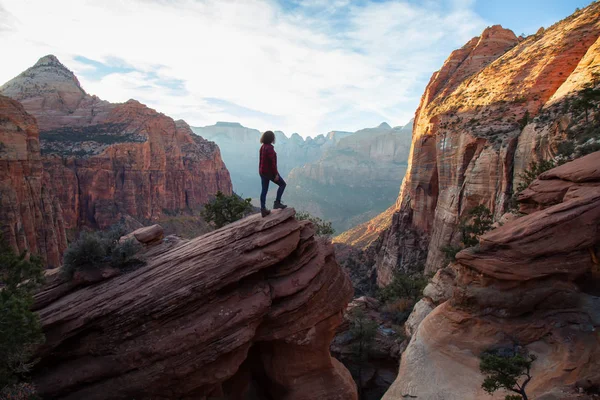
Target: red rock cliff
x: 534, y: 282
x: 248, y: 310
x: 497, y: 104
x: 109, y: 161
x: 30, y: 214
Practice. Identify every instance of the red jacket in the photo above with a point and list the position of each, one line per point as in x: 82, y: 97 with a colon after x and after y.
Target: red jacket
x: 267, y: 163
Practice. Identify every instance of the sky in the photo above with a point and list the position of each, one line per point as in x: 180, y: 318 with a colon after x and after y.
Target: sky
x: 306, y: 66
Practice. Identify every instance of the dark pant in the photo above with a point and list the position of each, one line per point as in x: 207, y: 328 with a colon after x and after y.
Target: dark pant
x: 265, y: 188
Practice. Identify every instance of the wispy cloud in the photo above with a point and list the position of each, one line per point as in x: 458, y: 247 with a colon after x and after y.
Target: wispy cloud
x: 301, y: 66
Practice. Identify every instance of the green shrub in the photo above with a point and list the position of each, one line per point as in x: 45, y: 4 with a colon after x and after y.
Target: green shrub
x: 403, y: 286
x: 19, y: 391
x: 524, y: 120
x: 323, y: 228
x: 531, y: 174
x: 223, y: 209
x: 20, y: 329
x: 450, y: 252
x: 565, y: 148
x: 477, y: 222
x: 121, y: 254
x: 504, y: 370
x: 98, y: 249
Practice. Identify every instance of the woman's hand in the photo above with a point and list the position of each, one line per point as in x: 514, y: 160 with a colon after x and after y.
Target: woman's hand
x: 276, y: 178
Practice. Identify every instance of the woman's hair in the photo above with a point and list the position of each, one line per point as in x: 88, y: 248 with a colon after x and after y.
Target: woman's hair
x: 268, y: 137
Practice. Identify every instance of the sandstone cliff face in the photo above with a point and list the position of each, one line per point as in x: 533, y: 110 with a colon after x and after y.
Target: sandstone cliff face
x: 354, y: 180
x: 109, y: 161
x: 496, y: 105
x: 248, y: 311
x: 532, y: 282
x: 30, y: 213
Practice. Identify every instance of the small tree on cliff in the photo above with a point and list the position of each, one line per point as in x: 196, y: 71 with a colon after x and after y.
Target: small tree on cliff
x: 363, y: 331
x: 477, y: 222
x: 509, y: 370
x: 223, y: 209
x: 20, y: 329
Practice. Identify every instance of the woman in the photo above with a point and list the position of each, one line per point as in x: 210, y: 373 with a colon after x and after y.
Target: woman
x: 267, y: 168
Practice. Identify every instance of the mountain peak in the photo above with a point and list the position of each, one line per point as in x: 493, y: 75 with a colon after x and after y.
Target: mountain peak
x: 47, y: 78
x: 384, y: 125
x: 49, y: 59
x: 229, y: 124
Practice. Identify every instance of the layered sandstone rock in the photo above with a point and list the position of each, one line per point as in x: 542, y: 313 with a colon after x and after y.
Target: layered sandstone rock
x: 110, y: 162
x: 247, y: 311
x: 532, y: 282
x: 30, y: 214
x: 496, y: 105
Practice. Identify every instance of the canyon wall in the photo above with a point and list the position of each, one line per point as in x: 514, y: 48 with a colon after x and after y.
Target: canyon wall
x: 531, y: 284
x: 30, y: 212
x: 244, y: 312
x: 496, y: 105
x: 113, y: 162
x: 355, y: 179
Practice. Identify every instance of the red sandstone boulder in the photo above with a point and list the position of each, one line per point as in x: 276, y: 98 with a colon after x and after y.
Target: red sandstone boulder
x: 149, y: 234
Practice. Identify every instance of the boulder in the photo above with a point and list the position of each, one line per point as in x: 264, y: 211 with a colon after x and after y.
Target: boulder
x: 253, y: 305
x: 149, y: 234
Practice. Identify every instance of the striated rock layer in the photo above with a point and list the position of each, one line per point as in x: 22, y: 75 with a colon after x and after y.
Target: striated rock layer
x: 248, y: 311
x: 30, y: 214
x: 107, y: 162
x: 496, y: 105
x: 534, y: 282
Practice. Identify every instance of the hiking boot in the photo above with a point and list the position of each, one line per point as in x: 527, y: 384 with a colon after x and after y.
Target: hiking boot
x: 279, y: 205
x: 264, y: 212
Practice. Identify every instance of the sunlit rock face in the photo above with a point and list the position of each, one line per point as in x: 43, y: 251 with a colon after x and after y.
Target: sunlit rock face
x: 533, y: 282
x: 107, y: 162
x: 496, y: 105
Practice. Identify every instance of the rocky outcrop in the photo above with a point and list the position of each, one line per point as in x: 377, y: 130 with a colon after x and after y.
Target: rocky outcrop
x: 30, y: 214
x: 247, y: 311
x: 354, y: 180
x: 566, y: 182
x: 532, y: 282
x: 109, y: 162
x: 495, y: 106
x: 240, y: 146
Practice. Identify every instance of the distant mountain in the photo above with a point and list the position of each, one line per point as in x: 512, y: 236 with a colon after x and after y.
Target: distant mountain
x: 354, y: 180
x: 240, y: 146
x: 109, y: 162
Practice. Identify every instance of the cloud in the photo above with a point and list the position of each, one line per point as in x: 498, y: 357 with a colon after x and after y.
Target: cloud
x: 300, y: 66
